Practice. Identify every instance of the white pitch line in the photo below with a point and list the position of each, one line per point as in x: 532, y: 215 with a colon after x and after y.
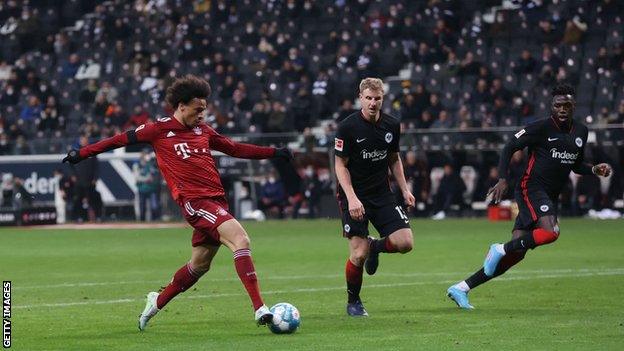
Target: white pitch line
x: 575, y: 274
x: 313, y: 276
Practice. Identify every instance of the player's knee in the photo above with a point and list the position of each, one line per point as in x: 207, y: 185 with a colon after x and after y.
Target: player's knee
x: 241, y: 241
x: 358, y: 257
x: 357, y: 260
x: 405, y: 242
x: 545, y: 236
x: 406, y: 245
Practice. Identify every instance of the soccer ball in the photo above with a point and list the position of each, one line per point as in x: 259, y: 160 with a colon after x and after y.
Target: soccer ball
x: 285, y: 318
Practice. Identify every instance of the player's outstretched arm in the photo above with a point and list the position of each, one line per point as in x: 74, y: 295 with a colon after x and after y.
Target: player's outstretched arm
x: 248, y: 151
x: 396, y: 166
x: 143, y: 133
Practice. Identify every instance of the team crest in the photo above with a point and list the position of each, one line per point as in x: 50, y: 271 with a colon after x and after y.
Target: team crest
x: 347, y: 228
x: 544, y: 208
x: 221, y: 211
x: 388, y: 137
x: 197, y: 130
x: 579, y: 142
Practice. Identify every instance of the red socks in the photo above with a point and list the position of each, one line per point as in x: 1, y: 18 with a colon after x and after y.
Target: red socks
x: 353, y: 274
x: 183, y: 279
x: 247, y: 274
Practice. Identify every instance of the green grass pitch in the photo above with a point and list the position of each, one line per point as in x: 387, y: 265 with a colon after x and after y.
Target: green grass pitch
x: 83, y: 290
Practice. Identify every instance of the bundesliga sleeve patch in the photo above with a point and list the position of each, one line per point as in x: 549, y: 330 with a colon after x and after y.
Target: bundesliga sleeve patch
x: 520, y: 133
x: 338, y: 144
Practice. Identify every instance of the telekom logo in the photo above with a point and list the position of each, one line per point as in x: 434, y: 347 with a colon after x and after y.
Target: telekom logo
x: 182, y: 149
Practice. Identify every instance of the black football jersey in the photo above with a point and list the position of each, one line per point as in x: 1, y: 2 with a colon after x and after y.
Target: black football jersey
x: 553, y: 153
x: 367, y: 146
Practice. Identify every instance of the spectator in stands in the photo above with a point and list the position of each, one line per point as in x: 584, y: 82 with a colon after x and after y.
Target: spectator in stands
x: 277, y: 118
x: 346, y: 109
x: 426, y: 120
x: 115, y: 115
x: 449, y: 192
x: 9, y: 95
x: 22, y: 147
x: 574, y: 31
x: 497, y: 90
x: 435, y: 105
x: 87, y: 200
x: 417, y: 177
x: 486, y: 183
x: 70, y: 67
x: 525, y: 64
x: 21, y: 197
x: 139, y: 116
x: 272, y: 196
x: 481, y: 94
x: 5, y: 146
x: 444, y: 121
x: 60, y: 200
x: 147, y: 178
x: 469, y: 66
x: 88, y: 93
x: 49, y: 119
x: 312, y: 191
x: 547, y: 33
x: 32, y: 110
x: 586, y: 195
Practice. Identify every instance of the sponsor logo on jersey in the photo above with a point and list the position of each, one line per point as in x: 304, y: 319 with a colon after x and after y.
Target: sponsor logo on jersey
x: 338, y: 144
x: 388, y: 137
x: 197, y: 130
x: 182, y: 149
x: 347, y: 228
x: 170, y: 134
x: 139, y: 127
x: 579, y: 142
x: 544, y: 208
x: 374, y: 155
x: 359, y: 140
x: 552, y: 139
x: 564, y: 156
x: 520, y: 133
x: 164, y: 119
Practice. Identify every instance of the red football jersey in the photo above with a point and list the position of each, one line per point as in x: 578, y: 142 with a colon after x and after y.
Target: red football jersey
x: 184, y: 154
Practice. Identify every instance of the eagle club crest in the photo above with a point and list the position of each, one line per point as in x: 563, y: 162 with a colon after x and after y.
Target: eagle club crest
x: 388, y: 137
x: 197, y: 130
x: 579, y: 142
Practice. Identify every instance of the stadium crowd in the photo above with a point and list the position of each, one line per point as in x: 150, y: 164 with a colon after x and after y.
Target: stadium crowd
x: 95, y: 68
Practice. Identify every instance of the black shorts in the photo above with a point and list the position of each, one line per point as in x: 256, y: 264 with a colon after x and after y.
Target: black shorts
x: 386, y: 217
x: 532, y: 204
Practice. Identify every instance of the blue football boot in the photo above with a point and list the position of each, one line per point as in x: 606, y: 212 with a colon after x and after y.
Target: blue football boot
x: 460, y: 297
x: 356, y: 309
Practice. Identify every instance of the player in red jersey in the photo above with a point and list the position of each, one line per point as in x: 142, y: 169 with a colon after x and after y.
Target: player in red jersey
x: 183, y: 145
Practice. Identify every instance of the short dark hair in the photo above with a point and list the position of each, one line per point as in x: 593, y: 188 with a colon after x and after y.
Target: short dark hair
x: 185, y: 89
x: 563, y: 89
